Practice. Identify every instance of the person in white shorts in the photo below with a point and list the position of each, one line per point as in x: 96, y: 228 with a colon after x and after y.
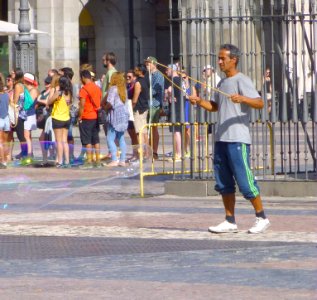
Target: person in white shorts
x: 30, y: 123
x: 4, y: 123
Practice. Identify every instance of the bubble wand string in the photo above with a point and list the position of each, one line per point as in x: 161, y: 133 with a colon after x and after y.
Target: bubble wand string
x: 195, y: 80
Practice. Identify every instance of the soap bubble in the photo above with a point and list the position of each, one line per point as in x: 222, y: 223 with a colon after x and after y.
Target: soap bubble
x: 133, y: 164
x: 33, y: 189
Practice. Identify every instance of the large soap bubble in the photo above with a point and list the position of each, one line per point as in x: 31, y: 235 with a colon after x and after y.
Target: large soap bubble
x: 30, y: 188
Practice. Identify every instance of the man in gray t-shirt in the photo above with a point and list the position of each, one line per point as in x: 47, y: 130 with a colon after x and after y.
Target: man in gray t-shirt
x: 236, y: 96
x: 229, y: 113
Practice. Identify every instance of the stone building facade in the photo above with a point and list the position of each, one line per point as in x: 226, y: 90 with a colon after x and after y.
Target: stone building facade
x: 81, y: 31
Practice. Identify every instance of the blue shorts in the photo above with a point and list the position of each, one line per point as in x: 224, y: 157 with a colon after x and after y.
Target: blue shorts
x: 5, y: 124
x: 232, y: 164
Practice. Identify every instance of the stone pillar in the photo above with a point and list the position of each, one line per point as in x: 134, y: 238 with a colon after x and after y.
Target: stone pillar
x: 59, y: 48
x: 25, y: 44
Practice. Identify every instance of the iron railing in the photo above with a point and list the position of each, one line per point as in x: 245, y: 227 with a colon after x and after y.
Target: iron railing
x: 280, y: 35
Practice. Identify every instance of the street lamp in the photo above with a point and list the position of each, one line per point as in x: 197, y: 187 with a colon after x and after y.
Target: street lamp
x: 25, y: 44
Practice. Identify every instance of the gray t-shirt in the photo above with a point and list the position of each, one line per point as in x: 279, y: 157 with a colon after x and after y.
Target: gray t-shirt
x: 233, y: 118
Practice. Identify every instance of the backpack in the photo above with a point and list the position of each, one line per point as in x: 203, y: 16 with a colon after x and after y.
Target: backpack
x: 28, y: 100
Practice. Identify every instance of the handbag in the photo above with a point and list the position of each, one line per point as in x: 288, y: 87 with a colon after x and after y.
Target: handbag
x: 128, y: 103
x: 73, y: 112
x: 13, y: 111
x: 100, y: 115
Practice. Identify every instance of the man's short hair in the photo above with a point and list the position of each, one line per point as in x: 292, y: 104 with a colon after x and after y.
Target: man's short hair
x: 234, y: 51
x: 110, y: 56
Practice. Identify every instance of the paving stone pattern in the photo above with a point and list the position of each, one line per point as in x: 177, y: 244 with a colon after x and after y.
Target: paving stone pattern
x: 86, y: 234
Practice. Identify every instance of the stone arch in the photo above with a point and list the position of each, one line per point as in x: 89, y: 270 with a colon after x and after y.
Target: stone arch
x: 107, y: 31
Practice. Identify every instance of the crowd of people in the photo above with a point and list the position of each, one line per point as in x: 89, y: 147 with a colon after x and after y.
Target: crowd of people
x: 127, y: 102
x: 117, y: 102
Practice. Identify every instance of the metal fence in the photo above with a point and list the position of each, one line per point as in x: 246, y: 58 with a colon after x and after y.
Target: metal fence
x: 280, y: 36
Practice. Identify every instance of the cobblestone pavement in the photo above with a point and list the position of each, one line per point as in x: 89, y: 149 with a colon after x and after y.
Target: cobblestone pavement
x: 86, y: 234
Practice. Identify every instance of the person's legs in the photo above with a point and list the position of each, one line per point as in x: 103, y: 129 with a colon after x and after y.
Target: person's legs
x: 20, y: 134
x: 178, y: 144
x: 187, y: 139
x: 155, y: 140
x: 111, y: 136
x: 89, y: 153
x: 10, y: 143
x: 65, y: 145
x: 4, y: 131
x: 94, y: 138
x: 29, y: 125
x: 239, y: 157
x: 145, y: 141
x: 59, y: 144
x: 28, y: 138
x: 123, y: 148
x: 2, y: 152
x: 229, y: 201
x: 134, y: 138
x: 70, y: 139
x: 97, y: 152
x: 257, y: 204
x: 226, y: 187
x: 5, y: 145
x: 154, y: 117
x: 42, y: 144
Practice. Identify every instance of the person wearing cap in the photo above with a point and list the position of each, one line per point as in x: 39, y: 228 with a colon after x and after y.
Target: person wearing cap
x: 233, y: 103
x: 30, y: 122
x: 157, y: 83
x: 211, y: 79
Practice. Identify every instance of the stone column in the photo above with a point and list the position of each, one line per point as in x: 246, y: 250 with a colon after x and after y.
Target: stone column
x: 25, y: 44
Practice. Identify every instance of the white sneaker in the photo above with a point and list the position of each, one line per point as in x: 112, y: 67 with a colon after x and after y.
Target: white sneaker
x: 224, y: 227
x: 260, y: 225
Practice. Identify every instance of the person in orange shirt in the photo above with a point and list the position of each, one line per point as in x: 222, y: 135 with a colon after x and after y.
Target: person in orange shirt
x: 89, y: 103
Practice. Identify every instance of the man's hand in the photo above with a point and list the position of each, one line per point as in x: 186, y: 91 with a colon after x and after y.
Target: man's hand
x: 236, y: 98
x: 256, y: 103
x: 194, y: 99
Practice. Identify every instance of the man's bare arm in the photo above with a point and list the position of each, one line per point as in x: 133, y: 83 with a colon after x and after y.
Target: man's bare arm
x: 208, y: 105
x: 256, y: 103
